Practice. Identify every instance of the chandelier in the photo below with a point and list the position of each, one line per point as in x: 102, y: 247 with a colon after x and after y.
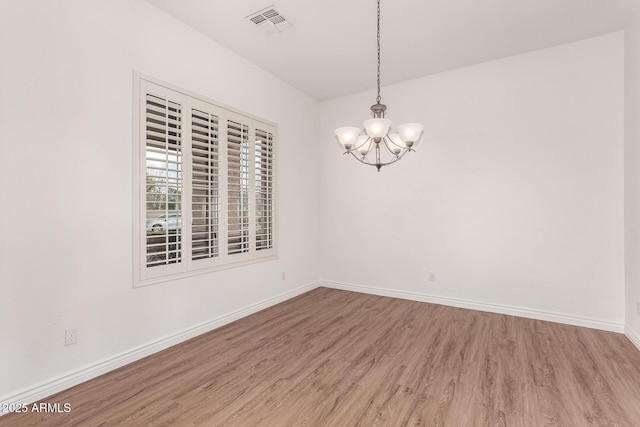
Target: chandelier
x: 377, y: 147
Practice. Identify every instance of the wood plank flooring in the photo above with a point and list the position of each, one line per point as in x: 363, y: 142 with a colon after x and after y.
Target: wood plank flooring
x: 336, y: 358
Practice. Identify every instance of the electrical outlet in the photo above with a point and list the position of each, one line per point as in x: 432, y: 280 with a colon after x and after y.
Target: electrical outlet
x: 70, y: 336
x: 638, y: 308
x: 432, y: 276
x: 283, y: 276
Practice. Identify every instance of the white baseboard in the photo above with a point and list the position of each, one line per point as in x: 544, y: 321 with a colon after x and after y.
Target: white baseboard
x: 633, y: 336
x: 481, y: 306
x: 62, y: 382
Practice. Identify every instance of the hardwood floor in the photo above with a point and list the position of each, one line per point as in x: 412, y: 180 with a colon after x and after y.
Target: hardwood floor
x: 336, y: 358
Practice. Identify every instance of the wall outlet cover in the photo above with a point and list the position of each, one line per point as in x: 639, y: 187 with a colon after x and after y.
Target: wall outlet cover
x: 70, y: 336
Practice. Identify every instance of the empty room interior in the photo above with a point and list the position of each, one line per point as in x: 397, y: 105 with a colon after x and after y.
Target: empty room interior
x: 200, y: 228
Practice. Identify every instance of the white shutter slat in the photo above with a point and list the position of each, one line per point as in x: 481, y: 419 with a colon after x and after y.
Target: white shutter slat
x: 159, y: 120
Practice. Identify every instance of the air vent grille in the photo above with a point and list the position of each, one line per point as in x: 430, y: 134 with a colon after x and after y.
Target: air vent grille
x: 258, y: 19
x: 270, y: 21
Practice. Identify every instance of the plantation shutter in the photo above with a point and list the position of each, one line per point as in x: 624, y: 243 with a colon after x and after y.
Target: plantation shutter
x: 205, y: 185
x: 163, y: 154
x: 264, y: 189
x: 237, y: 187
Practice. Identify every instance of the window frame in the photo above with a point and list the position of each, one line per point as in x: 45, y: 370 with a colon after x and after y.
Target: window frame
x: 144, y: 275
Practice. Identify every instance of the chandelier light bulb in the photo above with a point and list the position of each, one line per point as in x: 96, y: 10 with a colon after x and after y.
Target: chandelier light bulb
x: 377, y: 128
x: 364, y: 144
x: 410, y: 133
x: 348, y: 136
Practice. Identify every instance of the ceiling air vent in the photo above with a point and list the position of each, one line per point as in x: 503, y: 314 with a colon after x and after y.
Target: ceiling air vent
x: 269, y: 21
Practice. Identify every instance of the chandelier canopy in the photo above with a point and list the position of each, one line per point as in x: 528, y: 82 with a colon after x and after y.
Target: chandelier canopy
x: 366, y: 148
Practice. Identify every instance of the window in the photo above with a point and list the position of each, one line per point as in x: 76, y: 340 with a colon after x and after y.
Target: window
x: 204, y: 185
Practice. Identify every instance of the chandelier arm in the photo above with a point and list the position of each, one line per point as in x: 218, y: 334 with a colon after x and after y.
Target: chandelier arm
x: 388, y: 140
x: 360, y: 155
x: 389, y: 149
x: 364, y: 162
x: 395, y: 159
x: 402, y: 153
x: 398, y: 156
x: 361, y: 145
x: 361, y: 160
x: 368, y: 151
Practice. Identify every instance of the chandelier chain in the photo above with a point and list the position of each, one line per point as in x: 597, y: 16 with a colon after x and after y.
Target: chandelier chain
x: 378, y: 35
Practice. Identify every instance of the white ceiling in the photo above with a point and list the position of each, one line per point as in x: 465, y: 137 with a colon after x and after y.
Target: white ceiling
x: 331, y: 51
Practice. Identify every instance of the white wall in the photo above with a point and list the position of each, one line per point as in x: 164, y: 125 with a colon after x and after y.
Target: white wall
x: 66, y: 135
x: 514, y: 197
x: 632, y: 176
